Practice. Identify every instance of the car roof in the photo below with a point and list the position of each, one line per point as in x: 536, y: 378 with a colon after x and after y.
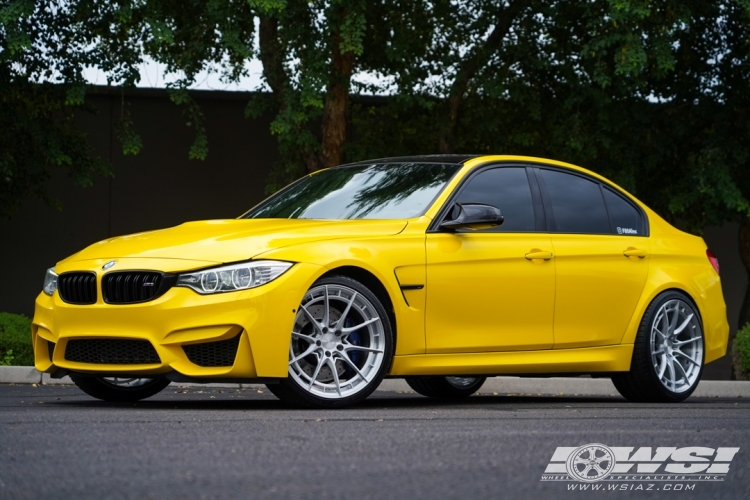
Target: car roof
x: 455, y: 159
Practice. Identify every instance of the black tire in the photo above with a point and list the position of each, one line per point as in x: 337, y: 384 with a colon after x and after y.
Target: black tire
x: 291, y: 390
x: 642, y: 383
x: 442, y: 387
x: 101, y: 388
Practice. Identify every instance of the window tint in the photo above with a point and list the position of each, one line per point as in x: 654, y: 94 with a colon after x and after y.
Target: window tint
x: 624, y: 216
x: 577, y: 203
x: 507, y: 189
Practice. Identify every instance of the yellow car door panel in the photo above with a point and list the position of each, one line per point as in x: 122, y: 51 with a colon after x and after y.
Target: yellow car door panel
x: 483, y: 294
x: 597, y: 287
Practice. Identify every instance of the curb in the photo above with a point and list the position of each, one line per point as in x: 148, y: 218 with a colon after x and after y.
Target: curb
x: 550, y: 386
x: 19, y: 375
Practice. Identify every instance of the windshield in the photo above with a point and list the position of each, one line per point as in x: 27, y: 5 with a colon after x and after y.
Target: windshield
x: 374, y: 191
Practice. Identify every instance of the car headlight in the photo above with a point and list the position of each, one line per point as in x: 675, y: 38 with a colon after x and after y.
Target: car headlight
x: 50, y: 281
x: 233, y: 277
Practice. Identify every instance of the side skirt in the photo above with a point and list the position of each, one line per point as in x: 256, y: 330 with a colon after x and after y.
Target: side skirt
x: 615, y: 358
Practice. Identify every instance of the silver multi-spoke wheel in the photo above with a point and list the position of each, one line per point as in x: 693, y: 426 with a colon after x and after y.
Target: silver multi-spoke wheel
x: 445, y: 387
x: 121, y: 389
x: 338, y: 342
x: 127, y: 382
x: 676, y: 346
x: 462, y: 382
x: 668, y: 351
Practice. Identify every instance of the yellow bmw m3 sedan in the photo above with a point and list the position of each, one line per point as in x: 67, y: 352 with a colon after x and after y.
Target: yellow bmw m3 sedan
x: 442, y: 270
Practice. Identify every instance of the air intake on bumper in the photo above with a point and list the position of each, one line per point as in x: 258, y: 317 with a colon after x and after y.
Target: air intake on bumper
x: 112, y: 352
x: 221, y: 353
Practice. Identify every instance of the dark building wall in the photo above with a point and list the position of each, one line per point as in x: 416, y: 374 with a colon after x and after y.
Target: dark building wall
x: 161, y: 187
x: 724, y: 242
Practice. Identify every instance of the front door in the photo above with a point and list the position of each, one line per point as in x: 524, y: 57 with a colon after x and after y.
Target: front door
x: 494, y: 289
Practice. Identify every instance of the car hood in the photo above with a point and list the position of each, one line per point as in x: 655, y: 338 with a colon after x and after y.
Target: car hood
x: 221, y: 241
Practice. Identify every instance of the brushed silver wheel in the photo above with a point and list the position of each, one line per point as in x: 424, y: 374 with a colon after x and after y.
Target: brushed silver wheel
x: 127, y: 382
x: 338, y: 342
x: 120, y: 389
x: 676, y: 346
x: 462, y: 382
x: 668, y: 351
x: 445, y: 387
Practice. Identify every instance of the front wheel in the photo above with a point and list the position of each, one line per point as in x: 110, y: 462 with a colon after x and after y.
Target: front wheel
x: 341, y: 346
x: 445, y: 387
x: 668, y: 353
x: 121, y: 390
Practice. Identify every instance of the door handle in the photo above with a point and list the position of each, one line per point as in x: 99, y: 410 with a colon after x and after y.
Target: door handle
x: 634, y: 252
x: 539, y: 255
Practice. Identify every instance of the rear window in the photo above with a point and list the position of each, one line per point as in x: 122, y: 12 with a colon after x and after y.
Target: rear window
x: 626, y: 219
x: 577, y: 203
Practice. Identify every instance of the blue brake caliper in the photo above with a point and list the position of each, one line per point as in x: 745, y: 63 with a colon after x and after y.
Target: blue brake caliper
x: 353, y: 339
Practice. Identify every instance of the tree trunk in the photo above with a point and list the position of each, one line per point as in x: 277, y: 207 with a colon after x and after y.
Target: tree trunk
x: 471, y: 65
x: 272, y: 57
x: 336, y: 105
x: 744, y: 240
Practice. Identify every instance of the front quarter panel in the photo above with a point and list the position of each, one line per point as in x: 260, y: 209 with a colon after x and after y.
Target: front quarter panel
x: 385, y: 257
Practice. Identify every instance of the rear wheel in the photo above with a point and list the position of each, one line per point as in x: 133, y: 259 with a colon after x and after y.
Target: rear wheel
x: 445, y: 387
x: 341, y: 346
x: 119, y: 389
x: 668, y: 353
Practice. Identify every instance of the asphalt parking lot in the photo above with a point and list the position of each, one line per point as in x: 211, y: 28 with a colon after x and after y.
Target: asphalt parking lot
x: 206, y: 443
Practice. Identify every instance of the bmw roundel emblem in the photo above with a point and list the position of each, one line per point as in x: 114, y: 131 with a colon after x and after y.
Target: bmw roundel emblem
x: 109, y: 264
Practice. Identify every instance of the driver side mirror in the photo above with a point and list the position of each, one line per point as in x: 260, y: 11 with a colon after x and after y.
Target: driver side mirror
x: 472, y: 216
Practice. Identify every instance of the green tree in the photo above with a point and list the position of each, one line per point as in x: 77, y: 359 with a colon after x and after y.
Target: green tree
x: 40, y: 42
x: 312, y: 53
x: 45, y: 46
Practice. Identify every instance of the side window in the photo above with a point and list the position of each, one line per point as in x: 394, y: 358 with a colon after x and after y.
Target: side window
x: 577, y: 203
x: 508, y: 189
x: 625, y: 217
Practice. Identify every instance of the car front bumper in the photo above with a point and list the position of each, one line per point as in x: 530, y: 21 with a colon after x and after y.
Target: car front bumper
x: 263, y: 317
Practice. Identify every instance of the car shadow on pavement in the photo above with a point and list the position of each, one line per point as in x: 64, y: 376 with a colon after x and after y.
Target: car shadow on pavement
x: 396, y: 401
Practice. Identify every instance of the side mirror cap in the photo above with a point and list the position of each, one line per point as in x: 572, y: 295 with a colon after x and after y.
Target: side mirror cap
x: 473, y: 216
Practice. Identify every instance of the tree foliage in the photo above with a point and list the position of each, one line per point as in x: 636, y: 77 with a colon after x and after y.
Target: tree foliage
x: 40, y: 44
x: 650, y: 93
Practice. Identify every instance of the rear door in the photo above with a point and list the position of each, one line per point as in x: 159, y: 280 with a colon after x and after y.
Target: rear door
x: 601, y: 257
